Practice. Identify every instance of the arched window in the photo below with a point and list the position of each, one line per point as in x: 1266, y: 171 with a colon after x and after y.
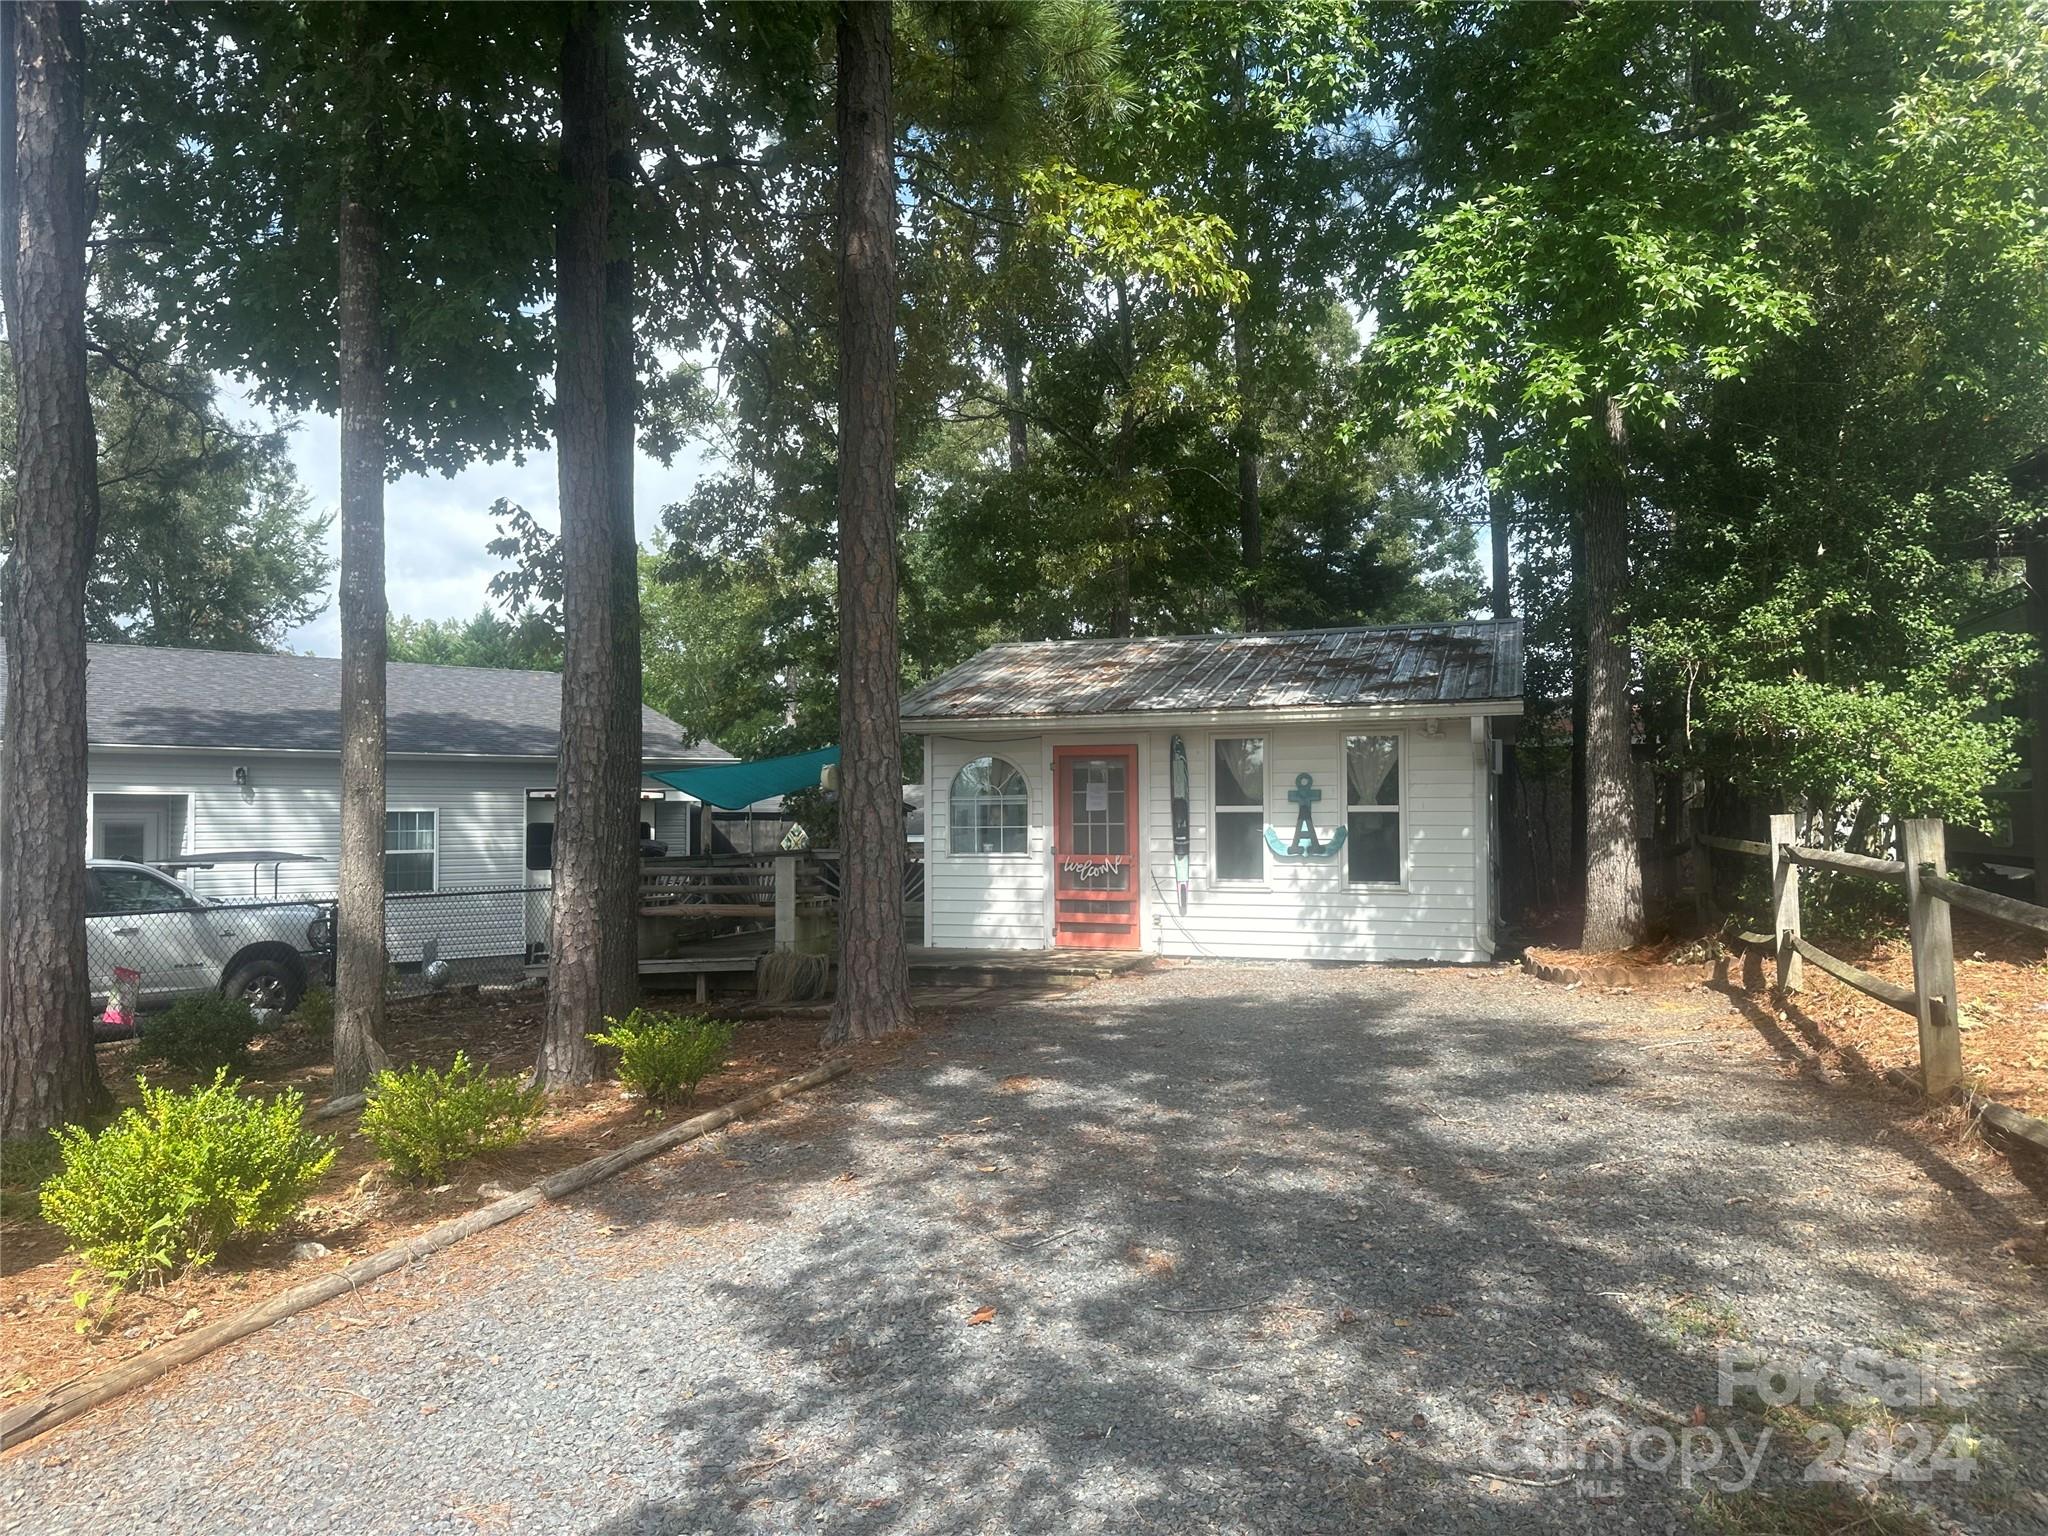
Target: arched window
x: 991, y: 808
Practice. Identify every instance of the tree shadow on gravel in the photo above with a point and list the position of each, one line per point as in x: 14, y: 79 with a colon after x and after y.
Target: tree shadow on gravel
x: 1134, y: 1260
x: 1893, y: 1116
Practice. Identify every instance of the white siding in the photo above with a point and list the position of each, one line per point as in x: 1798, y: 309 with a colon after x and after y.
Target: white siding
x: 1306, y: 909
x: 1300, y: 909
x: 985, y: 900
x: 294, y: 802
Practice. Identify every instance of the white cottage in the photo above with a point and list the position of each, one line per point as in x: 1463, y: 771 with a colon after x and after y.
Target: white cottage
x: 1313, y: 795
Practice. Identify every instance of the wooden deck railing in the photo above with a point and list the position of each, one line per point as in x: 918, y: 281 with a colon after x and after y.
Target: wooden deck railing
x: 786, y: 888
x: 742, y: 886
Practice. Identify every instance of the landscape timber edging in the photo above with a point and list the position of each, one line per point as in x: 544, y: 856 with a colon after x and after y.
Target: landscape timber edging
x: 2014, y: 1126
x: 1580, y: 976
x: 26, y: 1421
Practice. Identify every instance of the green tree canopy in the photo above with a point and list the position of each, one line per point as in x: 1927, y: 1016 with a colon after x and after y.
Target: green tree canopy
x: 206, y: 537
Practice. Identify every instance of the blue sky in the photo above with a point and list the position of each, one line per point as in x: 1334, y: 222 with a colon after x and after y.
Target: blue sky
x: 436, y: 527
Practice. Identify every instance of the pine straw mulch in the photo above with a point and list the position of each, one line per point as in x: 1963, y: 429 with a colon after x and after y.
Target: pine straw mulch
x: 359, y: 1206
x: 2002, y: 978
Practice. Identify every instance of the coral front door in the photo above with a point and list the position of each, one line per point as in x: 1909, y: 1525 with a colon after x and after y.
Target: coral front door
x: 1095, y: 841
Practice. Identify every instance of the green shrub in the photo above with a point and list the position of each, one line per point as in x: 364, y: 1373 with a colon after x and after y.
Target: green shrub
x: 425, y: 1122
x: 315, y: 1014
x: 200, y: 1034
x: 166, y: 1184
x: 666, y: 1055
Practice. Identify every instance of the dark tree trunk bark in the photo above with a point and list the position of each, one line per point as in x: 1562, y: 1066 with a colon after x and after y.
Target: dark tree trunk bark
x: 2037, y: 707
x: 1614, y: 876
x: 1500, y: 507
x: 1122, y: 466
x: 1013, y: 397
x: 1574, y: 881
x: 873, y: 996
x: 10, y: 185
x: 1012, y: 341
x: 586, y: 782
x: 10, y: 303
x: 1250, y: 530
x: 360, y: 960
x: 47, y: 1073
x: 620, y: 896
x: 1245, y: 435
x: 1503, y: 591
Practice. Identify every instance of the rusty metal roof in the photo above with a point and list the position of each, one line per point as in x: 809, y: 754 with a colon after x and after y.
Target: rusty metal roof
x: 1396, y: 664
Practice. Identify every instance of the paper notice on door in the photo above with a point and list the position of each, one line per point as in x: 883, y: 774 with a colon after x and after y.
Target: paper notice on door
x: 1098, y: 791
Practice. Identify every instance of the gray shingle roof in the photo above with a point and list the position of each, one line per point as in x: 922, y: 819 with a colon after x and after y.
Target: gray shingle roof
x: 142, y: 695
x: 1405, y: 664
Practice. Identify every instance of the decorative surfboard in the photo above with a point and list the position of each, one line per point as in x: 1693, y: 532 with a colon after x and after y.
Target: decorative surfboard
x: 1177, y: 775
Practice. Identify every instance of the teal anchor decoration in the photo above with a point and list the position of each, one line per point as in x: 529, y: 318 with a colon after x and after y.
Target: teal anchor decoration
x: 1304, y: 844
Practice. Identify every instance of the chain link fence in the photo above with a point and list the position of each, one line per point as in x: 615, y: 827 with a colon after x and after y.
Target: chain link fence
x: 148, y: 946
x: 149, y: 943
x: 470, y: 937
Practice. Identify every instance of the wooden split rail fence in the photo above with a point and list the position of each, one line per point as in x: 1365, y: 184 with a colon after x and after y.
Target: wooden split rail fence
x: 1931, y: 1000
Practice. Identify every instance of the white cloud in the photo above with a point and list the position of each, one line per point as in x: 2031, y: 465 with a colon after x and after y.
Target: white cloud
x: 436, y: 527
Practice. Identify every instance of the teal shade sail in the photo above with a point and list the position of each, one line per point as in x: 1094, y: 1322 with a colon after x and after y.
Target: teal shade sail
x: 735, y: 786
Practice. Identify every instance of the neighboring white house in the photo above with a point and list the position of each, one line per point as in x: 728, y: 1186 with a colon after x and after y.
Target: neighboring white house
x: 1337, y: 798
x: 203, y: 751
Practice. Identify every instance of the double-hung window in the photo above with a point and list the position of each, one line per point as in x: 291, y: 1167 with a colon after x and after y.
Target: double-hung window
x: 411, y: 850
x: 1238, y: 845
x: 1372, y: 809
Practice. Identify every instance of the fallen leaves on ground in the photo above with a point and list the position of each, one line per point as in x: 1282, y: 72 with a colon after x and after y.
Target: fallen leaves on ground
x: 2001, y: 979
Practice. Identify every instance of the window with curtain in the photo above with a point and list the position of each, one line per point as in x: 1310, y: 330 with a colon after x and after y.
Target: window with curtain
x: 1238, y: 849
x: 1372, y: 809
x: 991, y: 808
x: 411, y: 839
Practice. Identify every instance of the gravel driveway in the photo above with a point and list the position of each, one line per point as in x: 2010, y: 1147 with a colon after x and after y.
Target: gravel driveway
x: 1221, y: 1247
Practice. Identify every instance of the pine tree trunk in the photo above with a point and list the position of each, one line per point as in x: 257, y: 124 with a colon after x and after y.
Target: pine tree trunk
x: 586, y: 782
x: 1013, y: 399
x: 1499, y: 510
x: 1614, y: 876
x: 360, y: 961
x: 1574, y: 881
x: 47, y: 1073
x: 1012, y: 338
x: 10, y: 187
x: 1250, y: 531
x: 620, y: 896
x: 873, y: 996
x: 1503, y: 592
x: 1245, y: 436
x: 1123, y: 462
x: 2037, y: 709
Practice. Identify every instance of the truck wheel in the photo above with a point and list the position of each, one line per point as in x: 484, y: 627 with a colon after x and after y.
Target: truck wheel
x: 268, y: 986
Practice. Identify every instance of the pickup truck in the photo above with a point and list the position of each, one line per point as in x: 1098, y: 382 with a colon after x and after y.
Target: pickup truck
x: 180, y: 943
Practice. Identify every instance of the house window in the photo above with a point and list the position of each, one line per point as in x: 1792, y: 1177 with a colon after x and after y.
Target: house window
x: 411, y: 848
x: 991, y: 808
x: 1240, y: 810
x: 540, y: 845
x: 1372, y: 808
